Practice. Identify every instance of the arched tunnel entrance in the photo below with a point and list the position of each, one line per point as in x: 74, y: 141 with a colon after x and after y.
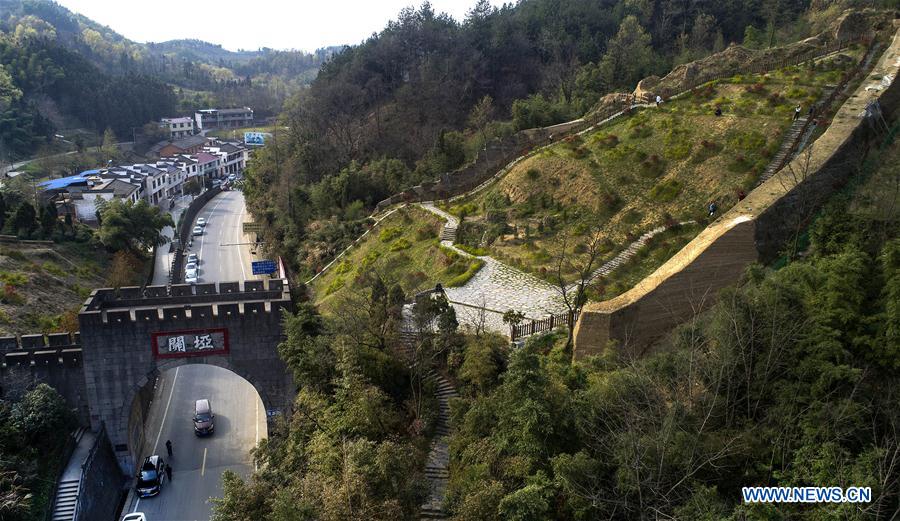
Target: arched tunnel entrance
x: 163, y: 409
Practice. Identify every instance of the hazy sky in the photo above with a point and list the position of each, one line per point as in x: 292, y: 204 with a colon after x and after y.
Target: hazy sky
x: 248, y: 24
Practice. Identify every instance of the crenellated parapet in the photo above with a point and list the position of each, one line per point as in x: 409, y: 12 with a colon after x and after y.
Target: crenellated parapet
x: 225, y: 300
x: 54, y: 349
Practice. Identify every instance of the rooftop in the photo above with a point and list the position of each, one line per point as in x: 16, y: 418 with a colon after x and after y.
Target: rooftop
x: 65, y: 182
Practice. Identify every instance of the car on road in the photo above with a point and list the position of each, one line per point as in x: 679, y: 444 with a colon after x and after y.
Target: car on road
x: 203, y: 418
x: 193, y: 258
x: 191, y: 273
x: 198, y: 230
x: 232, y: 177
x: 135, y: 516
x: 201, y: 222
x: 151, y: 476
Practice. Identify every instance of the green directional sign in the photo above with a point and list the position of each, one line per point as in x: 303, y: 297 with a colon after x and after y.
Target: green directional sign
x: 252, y: 227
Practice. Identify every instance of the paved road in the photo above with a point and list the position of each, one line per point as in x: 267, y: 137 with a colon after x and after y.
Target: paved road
x: 224, y: 253
x: 198, y: 463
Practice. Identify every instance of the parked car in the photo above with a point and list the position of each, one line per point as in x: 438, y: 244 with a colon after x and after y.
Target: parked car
x: 192, y: 278
x: 151, y: 476
x: 201, y: 222
x: 232, y: 177
x: 193, y: 258
x: 203, y: 418
x: 198, y: 230
x: 135, y: 516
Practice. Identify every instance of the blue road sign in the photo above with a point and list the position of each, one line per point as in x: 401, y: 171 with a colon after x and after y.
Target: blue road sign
x: 264, y: 267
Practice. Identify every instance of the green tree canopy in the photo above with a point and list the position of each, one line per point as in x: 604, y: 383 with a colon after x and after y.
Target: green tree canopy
x: 132, y: 226
x: 629, y: 56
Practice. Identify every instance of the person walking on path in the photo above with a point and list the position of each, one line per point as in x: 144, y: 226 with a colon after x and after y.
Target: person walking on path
x: 169, y: 447
x: 797, y: 112
x: 169, y: 472
x: 658, y: 100
x: 712, y: 208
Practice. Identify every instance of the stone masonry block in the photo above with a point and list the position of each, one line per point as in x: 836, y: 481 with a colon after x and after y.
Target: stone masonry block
x: 229, y: 287
x: 205, y: 289
x: 9, y: 343
x: 32, y: 341
x: 59, y: 339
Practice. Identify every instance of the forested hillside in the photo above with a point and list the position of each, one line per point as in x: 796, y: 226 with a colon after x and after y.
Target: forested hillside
x: 421, y: 97
x: 49, y: 82
x: 68, y: 71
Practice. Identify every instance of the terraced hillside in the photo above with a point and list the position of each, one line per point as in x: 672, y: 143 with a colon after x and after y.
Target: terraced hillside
x: 657, y: 166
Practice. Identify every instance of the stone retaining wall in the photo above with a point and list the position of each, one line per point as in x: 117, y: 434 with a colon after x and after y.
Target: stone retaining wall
x: 754, y: 230
x: 101, y: 483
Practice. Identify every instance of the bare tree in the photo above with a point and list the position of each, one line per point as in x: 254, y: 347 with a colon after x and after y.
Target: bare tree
x: 573, y: 272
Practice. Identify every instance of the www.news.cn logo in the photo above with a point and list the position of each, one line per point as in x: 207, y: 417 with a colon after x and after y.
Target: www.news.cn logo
x: 807, y: 494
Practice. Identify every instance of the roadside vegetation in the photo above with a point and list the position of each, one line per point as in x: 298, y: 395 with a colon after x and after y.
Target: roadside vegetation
x: 34, y: 432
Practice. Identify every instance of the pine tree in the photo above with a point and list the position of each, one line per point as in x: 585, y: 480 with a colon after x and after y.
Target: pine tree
x: 49, y: 220
x: 25, y: 219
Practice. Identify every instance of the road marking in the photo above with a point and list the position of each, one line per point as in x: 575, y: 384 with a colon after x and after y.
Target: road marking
x: 161, y: 425
x: 203, y: 465
x: 256, y: 421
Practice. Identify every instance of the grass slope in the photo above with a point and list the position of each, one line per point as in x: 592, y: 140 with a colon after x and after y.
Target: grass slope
x: 42, y: 287
x: 403, y: 249
x: 659, y: 165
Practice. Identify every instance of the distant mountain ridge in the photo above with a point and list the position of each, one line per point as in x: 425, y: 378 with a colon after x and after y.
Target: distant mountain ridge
x: 60, y: 69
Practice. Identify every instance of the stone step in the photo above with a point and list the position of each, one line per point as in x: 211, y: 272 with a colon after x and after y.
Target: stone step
x: 66, y: 495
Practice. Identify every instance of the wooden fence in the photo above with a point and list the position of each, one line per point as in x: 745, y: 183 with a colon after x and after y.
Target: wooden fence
x: 550, y: 323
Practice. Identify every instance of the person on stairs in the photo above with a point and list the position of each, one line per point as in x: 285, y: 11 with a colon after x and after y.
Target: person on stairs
x: 797, y: 112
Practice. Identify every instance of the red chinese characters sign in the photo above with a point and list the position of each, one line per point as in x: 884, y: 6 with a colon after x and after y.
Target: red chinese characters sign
x: 194, y: 342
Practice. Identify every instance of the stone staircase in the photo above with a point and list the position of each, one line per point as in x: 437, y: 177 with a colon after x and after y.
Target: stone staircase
x: 437, y: 466
x: 784, y: 153
x: 448, y: 233
x: 67, y: 490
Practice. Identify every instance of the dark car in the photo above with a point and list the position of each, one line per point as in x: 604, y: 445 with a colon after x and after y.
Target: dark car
x: 150, y: 477
x: 203, y: 418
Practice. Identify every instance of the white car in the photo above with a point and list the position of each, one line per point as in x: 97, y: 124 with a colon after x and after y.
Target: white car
x: 193, y: 258
x: 201, y: 222
x: 135, y: 516
x: 198, y: 230
x: 191, y: 273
